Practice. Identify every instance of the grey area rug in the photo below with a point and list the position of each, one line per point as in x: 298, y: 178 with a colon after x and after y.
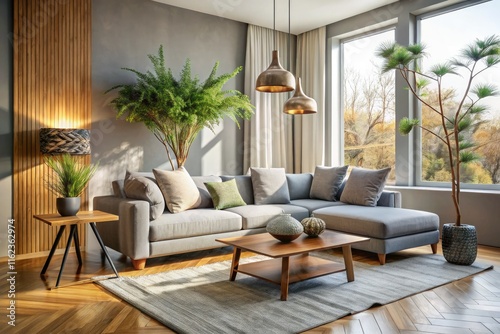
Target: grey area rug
x: 203, y: 300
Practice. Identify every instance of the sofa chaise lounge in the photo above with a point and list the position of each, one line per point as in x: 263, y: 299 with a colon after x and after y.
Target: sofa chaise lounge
x: 141, y: 235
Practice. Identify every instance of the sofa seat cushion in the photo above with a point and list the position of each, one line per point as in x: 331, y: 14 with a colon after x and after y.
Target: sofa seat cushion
x: 314, y: 204
x: 377, y: 222
x: 255, y: 216
x: 192, y: 223
x: 297, y: 212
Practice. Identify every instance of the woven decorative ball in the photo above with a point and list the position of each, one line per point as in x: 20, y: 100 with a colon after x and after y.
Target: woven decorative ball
x: 313, y: 226
x: 285, y: 228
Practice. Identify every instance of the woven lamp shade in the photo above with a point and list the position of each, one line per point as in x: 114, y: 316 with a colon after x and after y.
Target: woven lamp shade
x: 60, y: 141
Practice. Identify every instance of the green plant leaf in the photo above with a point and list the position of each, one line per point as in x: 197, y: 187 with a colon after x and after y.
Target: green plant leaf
x: 416, y: 49
x: 484, y: 90
x: 464, y: 124
x: 442, y: 69
x: 406, y: 125
x: 468, y: 156
x: 70, y: 177
x: 465, y: 144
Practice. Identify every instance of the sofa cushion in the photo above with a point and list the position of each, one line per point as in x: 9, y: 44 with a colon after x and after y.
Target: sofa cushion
x: 144, y: 189
x: 149, y: 175
x: 206, y: 199
x: 255, y: 216
x: 299, y: 185
x: 178, y: 189
x: 193, y: 223
x: 314, y: 204
x: 297, y: 212
x: 244, y: 183
x: 377, y: 222
x: 326, y: 182
x: 225, y: 194
x: 364, y: 186
x: 269, y: 186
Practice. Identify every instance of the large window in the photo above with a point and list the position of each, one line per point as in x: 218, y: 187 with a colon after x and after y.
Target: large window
x: 368, y: 106
x: 444, y: 35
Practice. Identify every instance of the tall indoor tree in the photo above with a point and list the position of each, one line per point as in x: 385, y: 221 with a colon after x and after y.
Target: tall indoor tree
x: 176, y: 110
x: 456, y: 121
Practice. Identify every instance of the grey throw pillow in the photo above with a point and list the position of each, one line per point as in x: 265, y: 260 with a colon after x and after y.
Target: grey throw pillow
x: 178, y: 189
x: 144, y: 189
x: 326, y: 182
x: 269, y: 186
x: 364, y: 186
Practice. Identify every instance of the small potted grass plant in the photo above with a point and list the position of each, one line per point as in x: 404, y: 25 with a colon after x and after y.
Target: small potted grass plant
x: 68, y: 181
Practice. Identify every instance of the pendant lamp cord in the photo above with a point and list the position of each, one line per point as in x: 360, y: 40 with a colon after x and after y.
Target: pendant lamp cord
x: 289, y: 54
x: 274, y: 24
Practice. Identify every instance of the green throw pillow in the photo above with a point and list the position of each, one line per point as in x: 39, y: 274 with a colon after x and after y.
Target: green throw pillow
x: 225, y: 194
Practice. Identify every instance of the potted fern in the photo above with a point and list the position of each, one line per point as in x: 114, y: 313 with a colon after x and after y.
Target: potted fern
x: 176, y: 110
x: 69, y: 180
x: 457, y: 120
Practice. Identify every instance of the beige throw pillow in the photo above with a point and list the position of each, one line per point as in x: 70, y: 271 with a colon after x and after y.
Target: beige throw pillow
x: 178, y: 189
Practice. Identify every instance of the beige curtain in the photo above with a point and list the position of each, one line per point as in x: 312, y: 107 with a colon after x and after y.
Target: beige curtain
x: 309, y: 130
x: 267, y: 133
x: 272, y: 138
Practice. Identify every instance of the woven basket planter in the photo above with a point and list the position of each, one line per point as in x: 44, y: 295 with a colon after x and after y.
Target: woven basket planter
x: 459, y: 244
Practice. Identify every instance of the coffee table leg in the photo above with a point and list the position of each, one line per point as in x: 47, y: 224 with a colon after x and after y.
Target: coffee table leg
x: 285, y: 277
x: 235, y: 263
x: 349, y: 267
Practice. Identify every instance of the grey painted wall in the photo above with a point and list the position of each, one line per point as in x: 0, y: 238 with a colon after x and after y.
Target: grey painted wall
x: 124, y: 32
x: 6, y: 127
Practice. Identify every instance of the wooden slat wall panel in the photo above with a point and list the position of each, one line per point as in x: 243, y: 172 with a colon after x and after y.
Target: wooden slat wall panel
x: 52, y: 88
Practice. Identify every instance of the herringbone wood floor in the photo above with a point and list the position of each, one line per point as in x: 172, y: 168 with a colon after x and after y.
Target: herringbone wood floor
x: 471, y: 305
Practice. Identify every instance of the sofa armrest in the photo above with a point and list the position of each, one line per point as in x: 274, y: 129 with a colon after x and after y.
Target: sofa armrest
x: 390, y: 199
x: 133, y: 226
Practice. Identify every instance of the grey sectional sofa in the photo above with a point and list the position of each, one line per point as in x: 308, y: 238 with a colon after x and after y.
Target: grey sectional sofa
x: 139, y: 237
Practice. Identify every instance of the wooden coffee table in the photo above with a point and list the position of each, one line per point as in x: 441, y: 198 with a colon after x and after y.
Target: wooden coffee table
x: 291, y: 261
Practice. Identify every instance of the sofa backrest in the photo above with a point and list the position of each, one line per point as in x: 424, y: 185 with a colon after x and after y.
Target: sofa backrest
x: 299, y: 185
x: 244, y: 183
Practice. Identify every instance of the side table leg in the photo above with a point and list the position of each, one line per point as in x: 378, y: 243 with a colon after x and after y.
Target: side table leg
x: 98, y: 237
x: 77, y: 246
x: 285, y: 277
x: 235, y: 263
x: 53, y: 249
x: 349, y: 266
x: 68, y: 244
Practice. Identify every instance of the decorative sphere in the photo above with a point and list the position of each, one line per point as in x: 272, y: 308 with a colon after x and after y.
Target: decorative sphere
x: 285, y: 228
x: 313, y: 226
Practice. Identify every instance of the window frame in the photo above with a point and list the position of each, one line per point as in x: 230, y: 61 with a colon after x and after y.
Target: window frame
x: 416, y: 138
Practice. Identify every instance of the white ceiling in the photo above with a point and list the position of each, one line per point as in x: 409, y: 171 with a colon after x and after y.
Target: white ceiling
x: 305, y: 14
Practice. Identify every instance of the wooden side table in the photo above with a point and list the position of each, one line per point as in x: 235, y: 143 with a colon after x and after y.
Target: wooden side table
x: 83, y: 217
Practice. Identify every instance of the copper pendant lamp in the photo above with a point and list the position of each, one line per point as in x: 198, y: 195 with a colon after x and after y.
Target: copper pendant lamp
x: 275, y: 79
x: 300, y: 103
